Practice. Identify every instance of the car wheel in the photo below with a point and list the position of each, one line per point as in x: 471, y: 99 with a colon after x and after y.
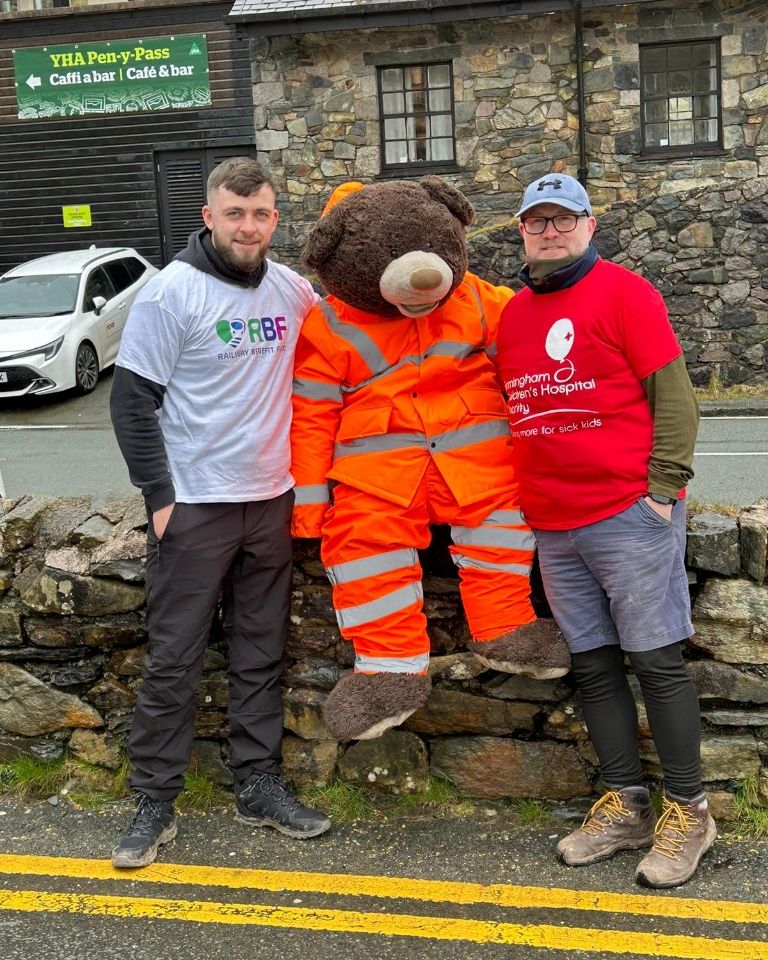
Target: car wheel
x: 86, y: 368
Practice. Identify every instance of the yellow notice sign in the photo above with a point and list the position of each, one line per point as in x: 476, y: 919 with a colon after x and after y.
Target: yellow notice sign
x: 79, y: 216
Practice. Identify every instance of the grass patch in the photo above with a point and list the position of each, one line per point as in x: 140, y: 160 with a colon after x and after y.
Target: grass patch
x: 532, y: 813
x: 702, y: 506
x: 751, y: 812
x: 440, y: 798
x: 738, y: 391
x: 201, y: 794
x: 29, y: 777
x: 342, y: 802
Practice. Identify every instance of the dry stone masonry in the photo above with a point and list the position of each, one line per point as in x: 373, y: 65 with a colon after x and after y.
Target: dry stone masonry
x: 72, y: 642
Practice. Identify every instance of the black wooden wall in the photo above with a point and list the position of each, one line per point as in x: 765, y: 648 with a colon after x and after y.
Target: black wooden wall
x: 109, y: 161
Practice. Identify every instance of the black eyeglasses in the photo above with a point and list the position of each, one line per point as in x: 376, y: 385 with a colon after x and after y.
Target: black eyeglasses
x: 563, y: 222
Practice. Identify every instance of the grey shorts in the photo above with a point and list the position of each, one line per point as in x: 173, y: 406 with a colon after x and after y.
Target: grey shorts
x: 620, y: 581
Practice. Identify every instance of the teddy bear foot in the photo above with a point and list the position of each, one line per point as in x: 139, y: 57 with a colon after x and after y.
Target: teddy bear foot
x: 536, y: 649
x: 363, y: 705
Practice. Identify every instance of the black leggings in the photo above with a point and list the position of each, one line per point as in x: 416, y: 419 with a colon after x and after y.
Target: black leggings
x: 611, y: 716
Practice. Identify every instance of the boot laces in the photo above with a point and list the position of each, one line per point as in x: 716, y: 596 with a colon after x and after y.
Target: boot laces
x: 609, y: 809
x: 672, y: 829
x: 148, y: 812
x: 272, y: 786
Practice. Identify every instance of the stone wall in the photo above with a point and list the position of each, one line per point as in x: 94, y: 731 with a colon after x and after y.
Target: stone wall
x: 72, y: 641
x: 697, y: 227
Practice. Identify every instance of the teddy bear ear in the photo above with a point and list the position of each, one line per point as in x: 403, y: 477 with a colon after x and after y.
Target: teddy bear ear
x: 323, y: 239
x: 456, y: 202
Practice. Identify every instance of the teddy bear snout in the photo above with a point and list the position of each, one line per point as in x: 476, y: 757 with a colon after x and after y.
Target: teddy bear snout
x: 416, y: 282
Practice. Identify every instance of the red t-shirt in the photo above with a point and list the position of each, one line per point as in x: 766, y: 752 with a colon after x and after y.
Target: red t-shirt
x: 572, y: 362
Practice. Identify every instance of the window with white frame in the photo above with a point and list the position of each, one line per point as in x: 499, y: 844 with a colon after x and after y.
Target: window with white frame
x: 680, y: 97
x: 417, y: 118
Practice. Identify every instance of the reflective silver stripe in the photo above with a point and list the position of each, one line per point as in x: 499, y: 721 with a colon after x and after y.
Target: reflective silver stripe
x: 357, y: 338
x: 494, y: 537
x: 479, y: 303
x: 352, y: 570
x: 311, y: 493
x: 492, y: 349
x: 379, y: 444
x: 353, y: 388
x: 463, y: 561
x: 504, y: 518
x: 453, y: 348
x: 488, y: 430
x: 392, y: 665
x: 375, y: 609
x: 315, y: 390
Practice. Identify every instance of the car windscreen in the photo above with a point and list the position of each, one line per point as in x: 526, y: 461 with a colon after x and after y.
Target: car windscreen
x: 38, y: 296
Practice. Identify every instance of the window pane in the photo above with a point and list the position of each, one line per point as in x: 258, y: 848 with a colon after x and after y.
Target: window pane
x: 417, y: 149
x: 391, y: 80
x: 681, y: 132
x: 418, y: 127
x: 703, y: 55
x: 655, y: 84
x: 414, y: 77
x: 656, y: 110
x: 705, y: 106
x: 393, y: 103
x: 439, y: 99
x: 442, y: 149
x: 680, y: 108
x: 416, y: 101
x: 654, y: 58
x: 680, y: 81
x: 394, y: 129
x: 679, y: 55
x: 442, y: 126
x: 704, y: 80
x: 396, y: 152
x: 439, y: 75
x: 705, y: 131
x: 657, y: 135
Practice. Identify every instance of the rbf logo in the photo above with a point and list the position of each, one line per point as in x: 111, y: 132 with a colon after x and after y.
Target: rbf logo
x: 259, y: 330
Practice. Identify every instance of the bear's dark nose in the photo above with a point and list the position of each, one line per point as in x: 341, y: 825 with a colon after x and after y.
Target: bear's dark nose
x: 426, y: 278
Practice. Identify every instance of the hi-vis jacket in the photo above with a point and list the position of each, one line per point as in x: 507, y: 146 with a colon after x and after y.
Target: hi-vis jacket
x: 375, y: 399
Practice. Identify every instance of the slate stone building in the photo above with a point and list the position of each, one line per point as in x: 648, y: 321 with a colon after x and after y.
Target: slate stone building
x: 660, y: 107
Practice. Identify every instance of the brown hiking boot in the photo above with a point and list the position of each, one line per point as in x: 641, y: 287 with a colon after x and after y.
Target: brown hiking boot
x: 620, y: 820
x: 684, y: 833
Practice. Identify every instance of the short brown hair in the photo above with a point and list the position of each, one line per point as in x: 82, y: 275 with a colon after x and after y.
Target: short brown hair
x: 241, y: 175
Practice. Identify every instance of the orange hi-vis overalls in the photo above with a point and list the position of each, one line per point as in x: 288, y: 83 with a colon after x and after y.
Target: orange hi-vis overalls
x: 407, y: 417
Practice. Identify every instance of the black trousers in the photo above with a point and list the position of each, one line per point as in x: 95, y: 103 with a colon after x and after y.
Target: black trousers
x: 241, y: 553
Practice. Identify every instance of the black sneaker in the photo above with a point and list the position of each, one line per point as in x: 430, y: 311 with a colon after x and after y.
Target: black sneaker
x: 153, y: 824
x: 264, y: 801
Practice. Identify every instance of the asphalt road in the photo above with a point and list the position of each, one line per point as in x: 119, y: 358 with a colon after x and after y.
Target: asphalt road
x: 64, y: 446
x: 346, y: 896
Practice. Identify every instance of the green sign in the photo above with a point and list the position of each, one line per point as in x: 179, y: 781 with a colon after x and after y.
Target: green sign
x: 77, y: 216
x: 115, y: 76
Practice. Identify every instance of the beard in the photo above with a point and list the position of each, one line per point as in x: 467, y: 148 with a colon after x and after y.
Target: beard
x: 244, y: 262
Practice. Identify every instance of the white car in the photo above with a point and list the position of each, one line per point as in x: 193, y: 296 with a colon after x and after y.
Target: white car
x: 62, y: 317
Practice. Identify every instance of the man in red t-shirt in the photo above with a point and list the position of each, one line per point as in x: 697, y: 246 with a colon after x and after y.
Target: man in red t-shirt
x: 604, y: 422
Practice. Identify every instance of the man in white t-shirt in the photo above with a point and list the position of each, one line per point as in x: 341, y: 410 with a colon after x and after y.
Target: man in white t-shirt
x: 201, y: 406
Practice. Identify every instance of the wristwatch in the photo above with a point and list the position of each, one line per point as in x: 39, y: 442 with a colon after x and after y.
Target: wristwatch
x: 658, y: 498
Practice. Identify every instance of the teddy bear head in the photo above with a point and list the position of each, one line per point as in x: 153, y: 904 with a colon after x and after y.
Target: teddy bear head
x: 392, y: 248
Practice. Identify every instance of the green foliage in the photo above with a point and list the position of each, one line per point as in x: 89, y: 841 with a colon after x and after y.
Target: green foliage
x: 751, y: 811
x: 532, y: 813
x: 440, y: 798
x: 28, y: 777
x: 341, y: 801
x: 201, y: 794
x: 737, y: 391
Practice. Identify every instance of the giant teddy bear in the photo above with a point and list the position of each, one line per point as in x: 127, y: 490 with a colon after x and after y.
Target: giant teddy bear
x: 399, y: 422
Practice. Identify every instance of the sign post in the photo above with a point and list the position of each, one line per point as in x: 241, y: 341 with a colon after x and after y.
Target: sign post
x: 115, y: 76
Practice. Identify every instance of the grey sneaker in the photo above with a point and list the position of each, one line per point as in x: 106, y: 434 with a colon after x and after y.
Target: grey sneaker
x: 153, y: 824
x: 684, y: 833
x: 620, y: 820
x: 264, y: 801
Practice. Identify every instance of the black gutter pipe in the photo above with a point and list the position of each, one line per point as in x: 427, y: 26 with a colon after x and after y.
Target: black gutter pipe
x: 580, y: 95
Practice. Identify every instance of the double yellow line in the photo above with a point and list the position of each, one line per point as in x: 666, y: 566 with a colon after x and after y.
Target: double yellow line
x: 346, y: 921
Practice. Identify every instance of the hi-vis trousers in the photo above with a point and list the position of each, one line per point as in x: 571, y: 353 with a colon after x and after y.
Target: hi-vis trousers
x: 369, y: 551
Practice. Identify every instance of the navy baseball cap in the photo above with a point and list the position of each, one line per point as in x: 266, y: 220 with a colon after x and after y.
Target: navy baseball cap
x: 559, y: 188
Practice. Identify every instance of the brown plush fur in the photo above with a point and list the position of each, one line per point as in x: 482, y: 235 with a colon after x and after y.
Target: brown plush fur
x: 535, y: 649
x: 351, y: 246
x: 360, y: 701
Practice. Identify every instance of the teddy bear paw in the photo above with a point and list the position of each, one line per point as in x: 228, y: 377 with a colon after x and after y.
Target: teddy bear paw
x: 536, y: 649
x: 363, y: 705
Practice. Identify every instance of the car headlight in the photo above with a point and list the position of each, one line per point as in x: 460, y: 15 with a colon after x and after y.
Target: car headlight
x: 51, y: 349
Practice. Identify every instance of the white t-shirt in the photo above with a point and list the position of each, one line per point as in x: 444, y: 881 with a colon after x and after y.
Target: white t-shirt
x: 225, y: 354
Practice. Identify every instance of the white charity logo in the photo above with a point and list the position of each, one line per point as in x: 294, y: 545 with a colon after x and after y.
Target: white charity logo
x: 560, y: 339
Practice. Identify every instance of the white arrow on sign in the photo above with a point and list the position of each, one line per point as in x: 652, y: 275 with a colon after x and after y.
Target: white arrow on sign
x: 33, y: 81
